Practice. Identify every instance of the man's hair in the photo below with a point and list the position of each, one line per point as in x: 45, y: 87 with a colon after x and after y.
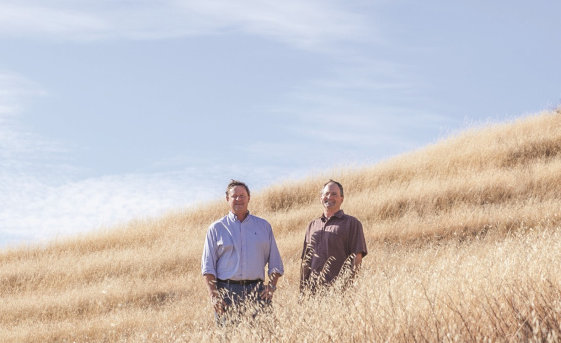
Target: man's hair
x: 338, y: 185
x: 233, y: 183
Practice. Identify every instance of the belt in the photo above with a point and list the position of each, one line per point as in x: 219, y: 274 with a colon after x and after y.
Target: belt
x: 240, y: 282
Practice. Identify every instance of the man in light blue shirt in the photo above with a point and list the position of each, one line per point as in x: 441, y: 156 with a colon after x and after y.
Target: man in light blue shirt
x: 237, y: 249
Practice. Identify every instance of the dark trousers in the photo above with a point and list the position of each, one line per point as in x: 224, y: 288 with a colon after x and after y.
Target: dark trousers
x: 240, y: 300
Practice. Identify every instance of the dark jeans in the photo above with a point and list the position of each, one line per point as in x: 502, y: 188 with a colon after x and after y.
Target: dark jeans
x: 240, y: 300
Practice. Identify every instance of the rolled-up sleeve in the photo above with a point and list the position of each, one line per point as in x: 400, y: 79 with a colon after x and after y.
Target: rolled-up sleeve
x: 209, y: 258
x: 275, y: 261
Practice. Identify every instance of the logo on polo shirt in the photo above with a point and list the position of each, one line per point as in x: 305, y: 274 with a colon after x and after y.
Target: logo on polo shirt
x: 332, y: 229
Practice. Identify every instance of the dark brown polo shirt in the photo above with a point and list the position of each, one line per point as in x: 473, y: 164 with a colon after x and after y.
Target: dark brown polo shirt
x: 333, y: 239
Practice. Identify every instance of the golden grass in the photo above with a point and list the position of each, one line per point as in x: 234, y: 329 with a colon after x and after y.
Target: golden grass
x: 464, y: 242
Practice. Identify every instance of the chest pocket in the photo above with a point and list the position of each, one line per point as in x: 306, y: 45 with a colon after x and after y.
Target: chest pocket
x: 335, y: 239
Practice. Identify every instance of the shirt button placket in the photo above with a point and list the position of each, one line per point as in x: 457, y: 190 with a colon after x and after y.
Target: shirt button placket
x: 242, y: 252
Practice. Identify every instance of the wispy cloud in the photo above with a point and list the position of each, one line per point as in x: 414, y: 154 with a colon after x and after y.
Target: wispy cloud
x: 304, y: 23
x: 300, y: 23
x: 365, y: 104
x: 57, y: 20
x: 33, y: 210
x: 17, y: 144
x: 41, y: 197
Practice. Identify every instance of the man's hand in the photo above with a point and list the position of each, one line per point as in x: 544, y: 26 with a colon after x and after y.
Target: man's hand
x: 269, y: 289
x: 267, y: 293
x: 218, y: 304
x: 215, y: 298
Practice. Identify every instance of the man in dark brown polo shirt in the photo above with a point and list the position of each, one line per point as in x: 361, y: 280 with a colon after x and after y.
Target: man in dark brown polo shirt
x: 334, y: 242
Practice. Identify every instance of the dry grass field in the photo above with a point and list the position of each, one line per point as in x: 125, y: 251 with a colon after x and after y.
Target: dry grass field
x: 464, y: 242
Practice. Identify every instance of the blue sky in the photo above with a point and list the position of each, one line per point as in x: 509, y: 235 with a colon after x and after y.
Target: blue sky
x: 112, y: 110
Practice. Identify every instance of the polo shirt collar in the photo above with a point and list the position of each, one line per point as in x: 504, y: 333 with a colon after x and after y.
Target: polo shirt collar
x: 339, y: 214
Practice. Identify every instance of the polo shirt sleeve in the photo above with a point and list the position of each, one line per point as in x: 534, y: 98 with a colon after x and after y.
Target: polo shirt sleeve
x: 305, y: 247
x: 357, y: 242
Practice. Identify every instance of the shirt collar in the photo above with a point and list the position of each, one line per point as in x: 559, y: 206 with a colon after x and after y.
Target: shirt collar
x: 339, y: 214
x: 234, y: 218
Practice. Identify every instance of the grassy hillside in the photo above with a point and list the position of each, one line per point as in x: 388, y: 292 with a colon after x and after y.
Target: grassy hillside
x: 464, y: 244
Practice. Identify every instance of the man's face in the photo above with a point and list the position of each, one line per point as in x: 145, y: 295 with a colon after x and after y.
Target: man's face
x: 238, y: 199
x: 331, y: 198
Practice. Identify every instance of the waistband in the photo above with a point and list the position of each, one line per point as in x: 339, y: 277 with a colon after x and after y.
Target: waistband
x: 239, y: 282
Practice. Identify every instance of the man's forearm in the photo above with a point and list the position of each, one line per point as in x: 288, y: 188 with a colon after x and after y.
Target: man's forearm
x: 217, y: 302
x: 357, y: 261
x: 274, y: 278
x: 211, y: 285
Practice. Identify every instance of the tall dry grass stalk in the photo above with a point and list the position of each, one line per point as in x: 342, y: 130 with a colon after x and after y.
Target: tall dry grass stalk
x: 464, y: 244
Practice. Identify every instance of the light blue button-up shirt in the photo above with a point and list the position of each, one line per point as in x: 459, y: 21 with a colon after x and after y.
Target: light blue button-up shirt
x: 240, y: 250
